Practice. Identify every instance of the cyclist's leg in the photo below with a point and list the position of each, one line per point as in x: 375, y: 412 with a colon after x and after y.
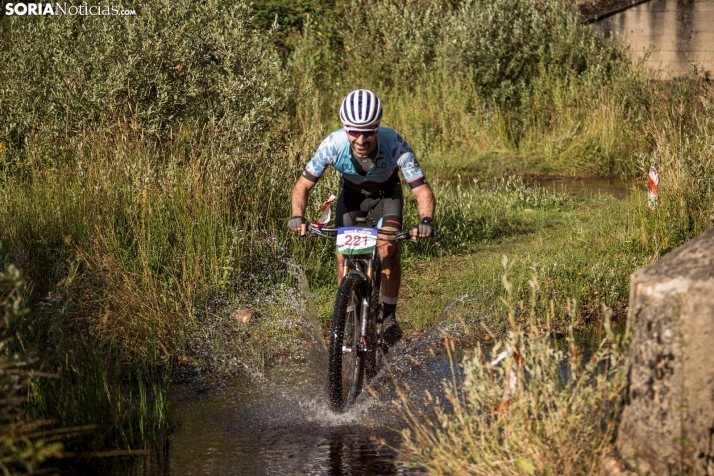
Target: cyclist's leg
x: 349, y: 204
x: 390, y: 210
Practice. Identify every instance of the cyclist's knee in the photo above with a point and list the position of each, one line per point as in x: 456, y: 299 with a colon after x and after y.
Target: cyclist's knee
x: 392, y: 222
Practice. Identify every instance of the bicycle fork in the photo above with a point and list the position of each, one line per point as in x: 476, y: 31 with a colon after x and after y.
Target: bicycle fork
x: 364, y: 320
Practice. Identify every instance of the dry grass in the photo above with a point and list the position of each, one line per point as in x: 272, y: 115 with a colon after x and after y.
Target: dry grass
x: 544, y: 408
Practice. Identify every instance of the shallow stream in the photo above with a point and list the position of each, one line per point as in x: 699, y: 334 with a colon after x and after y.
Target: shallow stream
x: 281, y: 424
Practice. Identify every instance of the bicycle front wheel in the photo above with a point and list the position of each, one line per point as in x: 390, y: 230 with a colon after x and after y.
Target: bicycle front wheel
x: 347, y: 355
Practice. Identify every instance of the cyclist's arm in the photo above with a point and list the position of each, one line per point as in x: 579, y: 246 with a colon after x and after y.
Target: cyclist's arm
x: 426, y: 203
x: 324, y: 156
x: 299, y: 198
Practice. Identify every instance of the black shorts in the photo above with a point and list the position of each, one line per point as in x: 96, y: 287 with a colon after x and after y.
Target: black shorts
x: 387, y: 203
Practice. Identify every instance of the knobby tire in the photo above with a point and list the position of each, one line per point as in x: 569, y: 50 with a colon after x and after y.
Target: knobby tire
x: 346, y: 369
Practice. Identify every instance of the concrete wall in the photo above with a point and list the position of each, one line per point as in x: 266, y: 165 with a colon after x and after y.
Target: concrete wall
x: 678, y: 32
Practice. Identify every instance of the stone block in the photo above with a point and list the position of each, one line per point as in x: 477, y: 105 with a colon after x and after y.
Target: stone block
x: 667, y: 424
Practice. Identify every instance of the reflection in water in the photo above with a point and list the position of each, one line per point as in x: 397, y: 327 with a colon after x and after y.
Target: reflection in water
x: 675, y: 32
x: 276, y: 428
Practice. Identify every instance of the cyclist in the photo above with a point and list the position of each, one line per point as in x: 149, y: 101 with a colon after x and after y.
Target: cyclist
x: 368, y: 157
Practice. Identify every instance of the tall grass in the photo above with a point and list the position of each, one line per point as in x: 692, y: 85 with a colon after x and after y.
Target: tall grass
x: 529, y: 406
x: 523, y: 78
x: 683, y: 153
x: 524, y: 82
x: 142, y: 187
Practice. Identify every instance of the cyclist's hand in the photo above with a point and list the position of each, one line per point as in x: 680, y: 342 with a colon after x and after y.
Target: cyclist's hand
x: 425, y: 229
x: 298, y: 225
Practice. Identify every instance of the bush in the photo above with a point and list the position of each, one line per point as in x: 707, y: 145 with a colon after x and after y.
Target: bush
x: 475, y: 76
x: 194, y: 74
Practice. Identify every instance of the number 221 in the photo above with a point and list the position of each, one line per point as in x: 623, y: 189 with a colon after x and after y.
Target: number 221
x: 355, y: 240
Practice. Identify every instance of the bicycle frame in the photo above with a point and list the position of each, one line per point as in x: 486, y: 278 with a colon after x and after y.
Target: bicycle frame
x: 364, y: 264
x: 359, y: 263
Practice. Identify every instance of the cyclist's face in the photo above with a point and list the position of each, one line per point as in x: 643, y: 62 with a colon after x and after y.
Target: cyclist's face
x: 363, y: 144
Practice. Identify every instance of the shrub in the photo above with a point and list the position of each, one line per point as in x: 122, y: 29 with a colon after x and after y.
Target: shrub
x: 194, y: 74
x: 475, y: 76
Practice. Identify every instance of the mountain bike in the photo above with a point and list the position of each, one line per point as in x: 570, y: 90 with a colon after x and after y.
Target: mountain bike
x: 357, y: 346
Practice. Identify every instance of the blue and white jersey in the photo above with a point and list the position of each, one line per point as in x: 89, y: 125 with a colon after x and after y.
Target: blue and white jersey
x: 393, y: 153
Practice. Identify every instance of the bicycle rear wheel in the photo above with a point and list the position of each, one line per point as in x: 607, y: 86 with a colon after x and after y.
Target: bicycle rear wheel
x: 347, y: 357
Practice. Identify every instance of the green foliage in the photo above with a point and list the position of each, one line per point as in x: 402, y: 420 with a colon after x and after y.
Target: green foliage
x: 477, y: 76
x: 507, y: 44
x: 290, y: 17
x: 684, y: 157
x: 179, y: 74
x: 142, y: 189
x: 582, y: 250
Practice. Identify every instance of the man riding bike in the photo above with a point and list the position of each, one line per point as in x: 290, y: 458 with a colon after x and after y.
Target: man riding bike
x: 368, y: 157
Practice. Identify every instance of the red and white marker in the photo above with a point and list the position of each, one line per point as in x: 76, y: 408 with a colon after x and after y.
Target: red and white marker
x: 326, y: 212
x: 653, y: 185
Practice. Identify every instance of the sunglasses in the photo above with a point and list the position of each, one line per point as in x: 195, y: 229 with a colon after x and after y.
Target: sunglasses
x: 357, y: 133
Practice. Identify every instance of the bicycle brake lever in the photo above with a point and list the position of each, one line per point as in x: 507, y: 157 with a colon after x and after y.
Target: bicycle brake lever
x: 403, y: 235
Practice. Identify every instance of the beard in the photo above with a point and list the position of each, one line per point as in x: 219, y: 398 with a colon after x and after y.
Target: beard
x: 366, y: 150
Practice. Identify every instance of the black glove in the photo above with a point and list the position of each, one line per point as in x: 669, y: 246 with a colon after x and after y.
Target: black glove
x: 296, y: 222
x: 426, y: 227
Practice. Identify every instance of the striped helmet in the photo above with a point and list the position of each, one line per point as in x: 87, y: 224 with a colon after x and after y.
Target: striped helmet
x: 361, y: 109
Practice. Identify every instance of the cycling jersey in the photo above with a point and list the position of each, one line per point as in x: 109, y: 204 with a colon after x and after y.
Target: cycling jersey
x: 393, y: 153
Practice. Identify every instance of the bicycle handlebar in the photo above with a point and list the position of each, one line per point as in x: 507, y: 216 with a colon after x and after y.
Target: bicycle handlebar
x: 399, y: 235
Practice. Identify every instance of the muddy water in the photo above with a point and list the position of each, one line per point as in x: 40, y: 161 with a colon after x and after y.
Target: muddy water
x: 281, y: 424
x: 278, y: 425
x: 612, y: 186
x: 674, y: 32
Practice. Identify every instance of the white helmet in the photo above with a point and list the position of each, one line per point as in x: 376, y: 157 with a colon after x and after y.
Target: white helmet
x: 361, y: 109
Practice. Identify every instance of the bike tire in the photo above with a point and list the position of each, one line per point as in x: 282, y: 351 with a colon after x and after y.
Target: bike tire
x: 346, y: 360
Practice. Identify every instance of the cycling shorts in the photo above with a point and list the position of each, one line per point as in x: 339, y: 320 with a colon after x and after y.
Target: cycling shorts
x: 387, y: 203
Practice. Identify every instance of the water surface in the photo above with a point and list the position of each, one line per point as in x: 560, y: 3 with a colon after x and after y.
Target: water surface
x: 613, y: 186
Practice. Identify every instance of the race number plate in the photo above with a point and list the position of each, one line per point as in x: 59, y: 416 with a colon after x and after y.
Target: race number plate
x: 356, y: 240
